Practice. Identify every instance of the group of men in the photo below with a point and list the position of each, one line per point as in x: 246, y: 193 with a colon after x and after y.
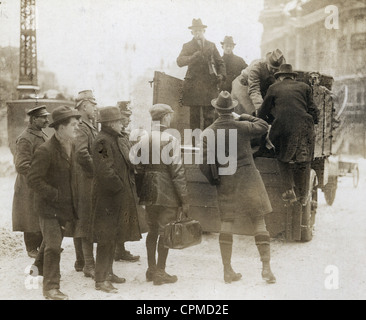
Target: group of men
x: 81, y: 182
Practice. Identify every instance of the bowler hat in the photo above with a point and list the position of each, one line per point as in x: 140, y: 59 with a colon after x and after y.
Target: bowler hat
x: 228, y: 40
x: 39, y: 111
x: 62, y: 113
x: 197, y: 24
x: 108, y: 114
x: 224, y: 101
x: 158, y: 111
x: 275, y: 58
x: 285, y: 69
x: 85, y: 95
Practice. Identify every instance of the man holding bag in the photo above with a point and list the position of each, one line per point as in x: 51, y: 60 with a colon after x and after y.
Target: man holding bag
x: 163, y: 191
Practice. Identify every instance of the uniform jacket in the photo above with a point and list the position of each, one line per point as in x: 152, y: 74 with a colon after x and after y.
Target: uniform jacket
x: 243, y: 192
x: 114, y: 191
x: 200, y: 83
x: 25, y: 218
x: 83, y: 148
x: 259, y: 80
x: 163, y: 184
x: 52, y: 177
x: 291, y: 104
x: 234, y: 65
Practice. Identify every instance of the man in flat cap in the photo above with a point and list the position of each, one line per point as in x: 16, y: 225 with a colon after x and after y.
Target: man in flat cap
x: 52, y: 177
x: 163, y: 191
x: 25, y: 218
x: 233, y: 63
x: 206, y: 73
x: 86, y: 134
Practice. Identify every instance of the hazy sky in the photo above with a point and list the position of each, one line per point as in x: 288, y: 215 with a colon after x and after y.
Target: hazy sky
x: 79, y: 40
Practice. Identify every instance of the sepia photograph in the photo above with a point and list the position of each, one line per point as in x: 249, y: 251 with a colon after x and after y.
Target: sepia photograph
x: 182, y: 154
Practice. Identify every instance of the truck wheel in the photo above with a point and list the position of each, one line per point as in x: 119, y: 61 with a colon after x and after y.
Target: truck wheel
x: 309, y: 211
x: 330, y: 190
x: 356, y: 176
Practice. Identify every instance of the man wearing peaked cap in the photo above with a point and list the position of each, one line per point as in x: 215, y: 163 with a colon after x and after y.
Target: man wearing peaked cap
x: 249, y: 197
x: 52, y: 177
x: 233, y: 63
x: 86, y: 134
x: 25, y: 217
x: 205, y: 74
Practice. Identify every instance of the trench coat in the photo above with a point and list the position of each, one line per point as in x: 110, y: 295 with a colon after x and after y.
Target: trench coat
x: 52, y: 177
x: 25, y: 217
x: 291, y: 104
x: 234, y: 66
x: 163, y: 184
x: 241, y: 193
x: 114, y: 198
x: 83, y: 148
x: 200, y: 83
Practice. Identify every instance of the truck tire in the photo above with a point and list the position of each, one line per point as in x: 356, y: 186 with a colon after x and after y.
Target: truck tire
x: 309, y: 211
x: 330, y: 190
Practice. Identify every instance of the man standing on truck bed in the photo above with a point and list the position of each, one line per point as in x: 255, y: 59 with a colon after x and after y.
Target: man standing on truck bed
x: 206, y: 73
x: 291, y: 104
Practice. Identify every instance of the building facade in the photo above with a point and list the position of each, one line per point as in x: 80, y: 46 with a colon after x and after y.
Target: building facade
x: 328, y: 36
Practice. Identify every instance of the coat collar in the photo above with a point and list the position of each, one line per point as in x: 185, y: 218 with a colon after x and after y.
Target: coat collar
x: 60, y: 148
x: 35, y: 131
x: 111, y: 132
x: 88, y: 124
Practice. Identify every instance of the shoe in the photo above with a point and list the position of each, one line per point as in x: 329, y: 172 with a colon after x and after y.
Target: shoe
x: 79, y: 265
x: 289, y: 196
x: 126, y: 256
x: 230, y: 275
x: 89, y: 272
x: 115, y: 279
x: 54, y: 294
x: 161, y: 277
x: 106, y: 286
x: 33, y: 253
x: 268, y: 276
x: 150, y: 274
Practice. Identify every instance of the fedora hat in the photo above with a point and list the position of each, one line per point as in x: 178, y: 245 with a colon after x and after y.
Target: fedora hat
x: 108, y: 114
x: 62, y: 113
x: 158, y: 111
x: 285, y: 69
x: 39, y: 111
x: 275, y: 58
x: 224, y: 101
x: 197, y: 24
x: 85, y: 95
x: 228, y: 40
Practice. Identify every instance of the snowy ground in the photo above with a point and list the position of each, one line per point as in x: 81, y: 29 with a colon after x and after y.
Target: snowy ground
x: 300, y: 268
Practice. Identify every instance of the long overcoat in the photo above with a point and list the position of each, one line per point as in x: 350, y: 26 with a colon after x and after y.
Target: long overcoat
x: 83, y: 147
x: 25, y: 218
x: 114, y: 196
x: 291, y: 104
x: 234, y: 66
x: 52, y: 177
x: 241, y: 193
x: 200, y: 86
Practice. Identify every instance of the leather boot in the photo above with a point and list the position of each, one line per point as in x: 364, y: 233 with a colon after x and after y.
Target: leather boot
x: 263, y: 244
x: 79, y: 263
x: 54, y: 294
x: 106, y: 286
x: 89, y: 266
x: 226, y: 248
x: 161, y: 277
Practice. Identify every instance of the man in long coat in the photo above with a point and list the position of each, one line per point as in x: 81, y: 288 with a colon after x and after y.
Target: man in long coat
x: 86, y: 134
x: 25, y: 218
x: 233, y: 63
x: 205, y: 73
x: 52, y: 177
x: 114, y: 204
x: 241, y: 192
x: 291, y: 105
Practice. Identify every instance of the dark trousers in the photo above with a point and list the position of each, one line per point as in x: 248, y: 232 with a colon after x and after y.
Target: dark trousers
x: 104, y: 260
x: 157, y: 217
x: 52, y: 232
x: 32, y: 240
x: 296, y: 175
x: 201, y: 119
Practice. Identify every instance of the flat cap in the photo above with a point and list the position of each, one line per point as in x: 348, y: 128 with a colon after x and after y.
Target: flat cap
x: 39, y: 111
x: 159, y: 110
